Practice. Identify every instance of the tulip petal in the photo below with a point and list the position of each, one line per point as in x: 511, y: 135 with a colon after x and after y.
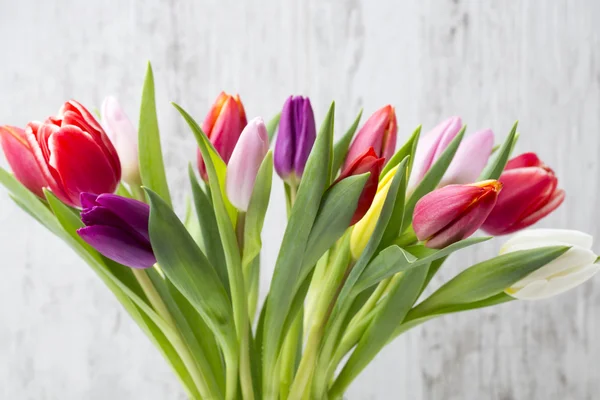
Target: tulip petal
x: 118, y: 246
x: 81, y: 163
x: 227, y: 129
x: 88, y: 200
x: 305, y: 139
x: 546, y: 288
x: 245, y: 162
x: 135, y: 214
x: 552, y: 204
x: 22, y: 159
x: 470, y: 159
x: 372, y: 134
x: 283, y: 158
x: 524, y: 160
x: 531, y: 237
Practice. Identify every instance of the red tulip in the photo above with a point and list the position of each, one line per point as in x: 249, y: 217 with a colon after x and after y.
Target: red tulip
x: 71, y: 151
x: 454, y: 212
x: 223, y: 126
x: 366, y: 162
x: 530, y: 193
x: 379, y: 132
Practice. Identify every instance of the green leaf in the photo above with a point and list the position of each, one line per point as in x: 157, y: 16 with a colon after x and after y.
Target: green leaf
x: 122, y: 191
x: 373, y: 244
x: 494, y: 169
x: 390, y: 259
x: 396, y: 222
x: 397, y: 304
x: 209, y: 230
x: 272, y: 126
x: 488, y: 278
x: 408, y: 150
x: 257, y: 209
x: 341, y: 147
x: 333, y: 219
x: 433, y: 177
x: 289, y: 262
x: 188, y: 268
x: 152, y: 169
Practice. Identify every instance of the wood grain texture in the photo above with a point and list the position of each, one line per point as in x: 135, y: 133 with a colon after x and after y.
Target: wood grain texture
x: 62, y: 335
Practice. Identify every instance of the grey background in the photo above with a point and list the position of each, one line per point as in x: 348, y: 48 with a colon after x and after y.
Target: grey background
x: 63, y: 336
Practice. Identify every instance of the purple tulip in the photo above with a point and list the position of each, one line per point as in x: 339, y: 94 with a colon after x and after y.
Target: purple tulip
x: 118, y: 228
x: 296, y: 136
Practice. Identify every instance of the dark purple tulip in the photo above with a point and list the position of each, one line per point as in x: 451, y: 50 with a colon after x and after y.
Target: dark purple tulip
x: 296, y: 136
x: 118, y: 228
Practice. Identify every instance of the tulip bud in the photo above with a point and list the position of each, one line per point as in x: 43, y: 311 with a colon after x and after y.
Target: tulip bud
x: 363, y: 230
x: 22, y: 159
x: 366, y: 162
x: 72, y: 152
x: 295, y: 138
x: 530, y: 193
x: 430, y: 148
x: 118, y: 228
x: 223, y: 126
x: 244, y: 163
x: 470, y: 159
x: 571, y: 269
x: 379, y: 132
x: 124, y: 137
x: 454, y: 212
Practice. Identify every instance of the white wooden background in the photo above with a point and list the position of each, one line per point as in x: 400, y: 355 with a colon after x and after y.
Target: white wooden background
x: 62, y: 335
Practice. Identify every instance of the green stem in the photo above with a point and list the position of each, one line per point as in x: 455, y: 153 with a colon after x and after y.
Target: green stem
x: 288, y: 356
x: 179, y: 344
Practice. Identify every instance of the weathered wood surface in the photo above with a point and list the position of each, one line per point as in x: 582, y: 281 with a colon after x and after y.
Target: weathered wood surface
x: 62, y: 335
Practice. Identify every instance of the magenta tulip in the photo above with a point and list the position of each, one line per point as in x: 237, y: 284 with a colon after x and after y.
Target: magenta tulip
x: 454, y: 212
x: 244, y: 163
x: 379, y: 132
x: 530, y: 193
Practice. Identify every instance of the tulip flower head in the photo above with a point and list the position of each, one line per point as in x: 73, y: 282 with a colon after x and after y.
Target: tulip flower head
x: 69, y: 153
x: 124, y: 137
x: 379, y: 132
x: 530, y: 193
x: 295, y: 139
x: 430, y: 148
x: 571, y: 269
x: 118, y: 228
x: 223, y: 126
x: 366, y: 162
x: 245, y: 162
x: 454, y: 212
x: 470, y: 158
x: 364, y: 228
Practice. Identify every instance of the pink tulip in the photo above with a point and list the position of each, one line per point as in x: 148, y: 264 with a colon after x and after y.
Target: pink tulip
x: 530, y: 193
x: 379, y: 132
x: 454, y: 212
x: 22, y: 159
x: 124, y: 137
x: 470, y: 158
x: 430, y: 148
x: 244, y: 163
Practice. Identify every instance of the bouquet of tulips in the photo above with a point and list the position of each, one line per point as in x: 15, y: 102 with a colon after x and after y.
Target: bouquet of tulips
x: 368, y: 228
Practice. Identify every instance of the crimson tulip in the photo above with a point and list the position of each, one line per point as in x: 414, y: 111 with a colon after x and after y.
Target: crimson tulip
x: 454, y: 212
x: 530, y: 193
x: 223, y: 125
x: 366, y: 162
x: 69, y: 153
x: 379, y: 132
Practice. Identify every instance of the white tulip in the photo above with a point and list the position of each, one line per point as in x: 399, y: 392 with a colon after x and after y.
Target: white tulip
x: 571, y: 269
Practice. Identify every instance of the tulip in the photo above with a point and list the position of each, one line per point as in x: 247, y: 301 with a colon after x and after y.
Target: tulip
x: 72, y: 152
x: 379, y: 132
x: 223, y: 126
x: 454, y: 212
x: 295, y: 138
x: 470, y: 159
x: 530, y: 193
x: 124, y: 137
x: 118, y: 228
x: 363, y: 230
x: 22, y: 159
x: 430, y: 148
x: 366, y: 162
x: 571, y: 269
x: 244, y: 163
